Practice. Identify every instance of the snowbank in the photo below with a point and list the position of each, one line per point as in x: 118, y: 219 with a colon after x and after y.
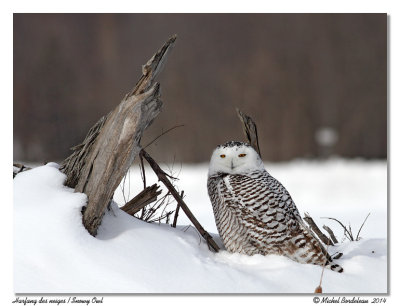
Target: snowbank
x: 53, y: 253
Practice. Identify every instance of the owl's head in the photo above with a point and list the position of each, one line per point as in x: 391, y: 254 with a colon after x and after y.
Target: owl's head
x: 234, y: 157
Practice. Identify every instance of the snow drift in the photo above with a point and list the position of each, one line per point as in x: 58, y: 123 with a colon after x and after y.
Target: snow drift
x: 53, y: 253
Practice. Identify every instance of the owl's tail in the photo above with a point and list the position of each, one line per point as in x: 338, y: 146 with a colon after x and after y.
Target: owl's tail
x: 321, y: 256
x: 319, y: 248
x: 334, y: 267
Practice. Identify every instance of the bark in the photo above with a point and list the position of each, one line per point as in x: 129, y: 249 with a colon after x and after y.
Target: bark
x: 97, y: 166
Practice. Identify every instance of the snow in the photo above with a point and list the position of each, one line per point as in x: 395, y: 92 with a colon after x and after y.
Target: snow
x: 53, y: 253
x: 344, y: 189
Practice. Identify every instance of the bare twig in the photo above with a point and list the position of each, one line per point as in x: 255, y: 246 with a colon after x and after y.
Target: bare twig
x: 346, y: 231
x: 351, y: 232
x: 142, y: 171
x: 362, y: 226
x: 149, y: 214
x: 316, y: 229
x: 163, y: 133
x: 129, y: 182
x: 319, y: 288
x: 164, y: 201
x: 177, y: 212
x: 345, y: 236
x: 331, y: 234
x: 164, y: 179
x: 122, y: 186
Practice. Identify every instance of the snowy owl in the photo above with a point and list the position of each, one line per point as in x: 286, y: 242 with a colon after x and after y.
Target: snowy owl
x: 253, y: 211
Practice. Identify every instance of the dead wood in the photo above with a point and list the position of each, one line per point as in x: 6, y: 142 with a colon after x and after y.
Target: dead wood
x: 18, y: 168
x: 358, y: 234
x: 177, y: 212
x: 249, y: 130
x: 316, y: 230
x: 144, y: 198
x: 331, y: 234
x: 347, y: 232
x: 97, y: 166
x: 157, y: 211
x: 162, y: 134
x: 163, y: 177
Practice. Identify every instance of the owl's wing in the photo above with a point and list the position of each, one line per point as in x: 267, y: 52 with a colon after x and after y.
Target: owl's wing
x: 263, y: 198
x: 268, y: 201
x: 265, y: 208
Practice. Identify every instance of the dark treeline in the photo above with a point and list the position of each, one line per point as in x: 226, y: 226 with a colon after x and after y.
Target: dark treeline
x: 295, y: 74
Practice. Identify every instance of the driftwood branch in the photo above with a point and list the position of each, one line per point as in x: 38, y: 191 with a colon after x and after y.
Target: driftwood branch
x: 97, y: 166
x: 316, y: 230
x: 249, y: 130
x: 331, y: 234
x: 164, y: 179
x: 144, y: 198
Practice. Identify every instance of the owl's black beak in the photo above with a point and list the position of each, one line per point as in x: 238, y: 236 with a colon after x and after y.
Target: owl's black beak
x: 232, y: 165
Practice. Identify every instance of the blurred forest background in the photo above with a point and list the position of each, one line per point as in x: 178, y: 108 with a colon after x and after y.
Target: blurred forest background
x: 315, y: 84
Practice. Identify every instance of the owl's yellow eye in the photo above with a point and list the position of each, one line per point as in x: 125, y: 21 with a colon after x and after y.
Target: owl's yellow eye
x: 242, y: 155
x: 222, y: 155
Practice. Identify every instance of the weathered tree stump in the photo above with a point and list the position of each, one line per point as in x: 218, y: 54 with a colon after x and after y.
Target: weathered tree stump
x: 97, y: 166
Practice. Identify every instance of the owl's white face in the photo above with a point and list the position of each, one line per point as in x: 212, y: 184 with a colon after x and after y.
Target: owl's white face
x: 234, y: 158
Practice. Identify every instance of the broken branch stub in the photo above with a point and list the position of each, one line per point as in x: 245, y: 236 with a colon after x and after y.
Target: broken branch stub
x: 249, y: 130
x: 141, y: 200
x: 97, y: 166
x: 177, y: 212
x: 331, y: 234
x: 316, y: 230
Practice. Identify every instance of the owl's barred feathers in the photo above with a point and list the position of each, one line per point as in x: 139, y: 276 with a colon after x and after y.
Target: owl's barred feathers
x: 254, y: 213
